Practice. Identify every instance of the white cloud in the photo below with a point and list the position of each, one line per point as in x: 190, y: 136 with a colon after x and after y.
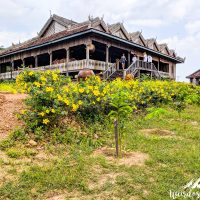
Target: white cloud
x: 7, y: 38
x: 193, y: 27
x: 148, y: 22
x: 188, y: 46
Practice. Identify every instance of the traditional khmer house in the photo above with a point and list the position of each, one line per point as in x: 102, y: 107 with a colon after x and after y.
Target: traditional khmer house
x: 195, y: 78
x: 71, y: 46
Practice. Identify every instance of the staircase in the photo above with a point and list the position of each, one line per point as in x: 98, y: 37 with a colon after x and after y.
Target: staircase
x: 112, y: 73
x: 116, y: 74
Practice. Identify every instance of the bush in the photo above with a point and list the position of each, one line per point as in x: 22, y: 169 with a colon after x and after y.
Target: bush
x: 52, y: 97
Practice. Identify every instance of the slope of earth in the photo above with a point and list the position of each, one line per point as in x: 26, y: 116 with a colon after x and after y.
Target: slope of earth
x: 10, y: 104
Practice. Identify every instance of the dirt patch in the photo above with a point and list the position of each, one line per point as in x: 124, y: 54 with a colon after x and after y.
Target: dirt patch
x: 103, y: 179
x: 57, y: 197
x: 127, y: 158
x: 10, y: 104
x: 158, y: 132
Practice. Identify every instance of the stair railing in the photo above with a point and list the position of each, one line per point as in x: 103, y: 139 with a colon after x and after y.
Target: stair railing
x: 132, y: 69
x: 109, y: 72
x: 155, y: 70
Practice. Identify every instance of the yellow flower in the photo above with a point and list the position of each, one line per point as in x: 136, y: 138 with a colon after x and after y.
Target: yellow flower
x: 42, y: 114
x: 98, y: 99
x: 52, y: 110
x: 45, y: 121
x: 66, y: 89
x: 47, y: 111
x: 30, y: 73
x: 75, y: 107
x: 55, y: 77
x: 49, y: 89
x: 81, y: 90
x: 90, y: 87
x: 37, y: 84
x: 42, y: 78
x: 96, y: 92
x: 66, y: 101
x: 80, y: 102
x: 59, y: 98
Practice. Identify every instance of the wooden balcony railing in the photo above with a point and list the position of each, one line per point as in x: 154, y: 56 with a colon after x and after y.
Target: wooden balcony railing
x: 64, y: 67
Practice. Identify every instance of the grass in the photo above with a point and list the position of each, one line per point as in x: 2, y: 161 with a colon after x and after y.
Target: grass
x: 73, y: 171
x: 8, y: 86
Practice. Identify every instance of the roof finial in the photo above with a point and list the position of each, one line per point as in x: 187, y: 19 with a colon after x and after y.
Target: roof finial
x: 141, y: 31
x: 50, y: 13
x: 90, y: 17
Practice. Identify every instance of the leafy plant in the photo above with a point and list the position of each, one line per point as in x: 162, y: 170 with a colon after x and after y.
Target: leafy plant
x: 120, y: 111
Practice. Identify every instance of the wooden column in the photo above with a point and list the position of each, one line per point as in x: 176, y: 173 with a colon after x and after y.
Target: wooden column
x: 51, y: 59
x: 11, y: 69
x: 107, y: 53
x: 36, y: 61
x: 23, y: 63
x: 67, y: 60
x: 129, y: 58
x: 87, y: 55
x: 67, y: 55
x: 170, y: 71
x: 159, y: 64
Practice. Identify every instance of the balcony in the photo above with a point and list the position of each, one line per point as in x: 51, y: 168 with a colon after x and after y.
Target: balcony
x: 73, y: 66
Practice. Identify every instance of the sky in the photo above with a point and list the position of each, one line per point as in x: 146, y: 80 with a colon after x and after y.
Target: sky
x: 175, y: 22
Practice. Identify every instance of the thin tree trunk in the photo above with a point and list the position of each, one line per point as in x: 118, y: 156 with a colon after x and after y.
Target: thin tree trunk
x: 116, y: 137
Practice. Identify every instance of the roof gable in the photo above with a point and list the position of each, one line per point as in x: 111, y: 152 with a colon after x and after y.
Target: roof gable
x: 152, y: 44
x: 99, y: 24
x: 55, y: 24
x: 164, y: 49
x: 137, y: 38
x: 118, y: 30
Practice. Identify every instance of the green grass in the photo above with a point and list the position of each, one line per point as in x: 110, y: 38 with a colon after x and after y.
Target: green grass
x: 71, y: 171
x: 8, y: 86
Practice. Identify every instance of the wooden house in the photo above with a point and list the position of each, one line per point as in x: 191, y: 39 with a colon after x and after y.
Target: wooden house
x: 71, y: 46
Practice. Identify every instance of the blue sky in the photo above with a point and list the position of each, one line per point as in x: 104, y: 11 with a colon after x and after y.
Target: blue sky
x: 175, y: 22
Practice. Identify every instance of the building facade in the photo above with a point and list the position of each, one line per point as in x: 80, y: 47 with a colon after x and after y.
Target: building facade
x: 70, y: 46
x: 195, y: 77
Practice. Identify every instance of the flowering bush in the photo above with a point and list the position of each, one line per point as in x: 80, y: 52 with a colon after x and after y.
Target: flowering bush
x: 52, y: 96
x: 43, y: 107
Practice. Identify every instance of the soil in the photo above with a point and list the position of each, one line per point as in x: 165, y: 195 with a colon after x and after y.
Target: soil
x: 128, y: 158
x: 10, y: 104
